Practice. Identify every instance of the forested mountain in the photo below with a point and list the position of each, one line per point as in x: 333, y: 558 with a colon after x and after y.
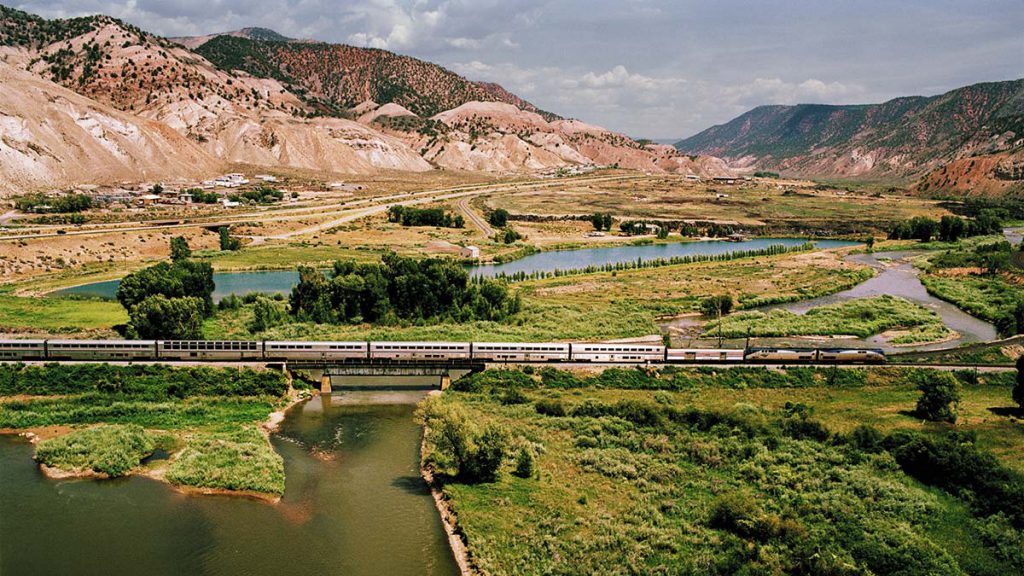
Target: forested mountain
x: 339, y: 77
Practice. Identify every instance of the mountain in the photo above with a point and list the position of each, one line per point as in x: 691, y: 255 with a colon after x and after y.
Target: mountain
x: 51, y: 137
x: 336, y: 77
x: 903, y: 138
x: 255, y: 97
x: 263, y: 34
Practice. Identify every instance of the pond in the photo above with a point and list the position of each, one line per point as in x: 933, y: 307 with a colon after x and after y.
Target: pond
x: 354, y: 504
x: 282, y: 281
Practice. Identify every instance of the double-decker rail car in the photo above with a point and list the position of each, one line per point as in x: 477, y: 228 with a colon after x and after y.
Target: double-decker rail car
x: 781, y: 355
x: 209, y: 349
x: 22, y: 349
x: 274, y: 350
x: 851, y: 355
x: 521, y: 352
x: 617, y: 353
x: 683, y: 355
x: 420, y: 350
x: 100, y: 349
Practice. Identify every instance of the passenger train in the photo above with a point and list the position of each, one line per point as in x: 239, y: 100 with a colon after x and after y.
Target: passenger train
x: 122, y: 350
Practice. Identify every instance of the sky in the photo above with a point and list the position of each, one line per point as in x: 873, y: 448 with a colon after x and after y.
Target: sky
x: 657, y: 69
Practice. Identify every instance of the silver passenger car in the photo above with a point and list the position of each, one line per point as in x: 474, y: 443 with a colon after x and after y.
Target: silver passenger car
x: 210, y: 349
x: 22, y: 349
x: 276, y: 350
x: 100, y: 349
x: 420, y: 350
x: 617, y: 353
x: 683, y: 355
x: 520, y: 352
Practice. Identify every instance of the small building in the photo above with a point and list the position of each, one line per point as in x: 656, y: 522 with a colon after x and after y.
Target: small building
x: 471, y: 252
x: 728, y: 180
x: 693, y: 177
x: 148, y: 199
x: 266, y: 178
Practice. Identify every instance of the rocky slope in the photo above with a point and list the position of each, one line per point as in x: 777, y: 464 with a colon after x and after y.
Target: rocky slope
x: 52, y: 137
x: 269, y: 101
x: 902, y: 138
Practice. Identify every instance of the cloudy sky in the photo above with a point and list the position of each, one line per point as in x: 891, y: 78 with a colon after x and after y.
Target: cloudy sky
x: 649, y: 68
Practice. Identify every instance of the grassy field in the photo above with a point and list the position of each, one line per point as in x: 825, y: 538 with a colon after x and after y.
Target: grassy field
x: 119, y: 414
x: 750, y: 203
x: 58, y: 315
x: 718, y: 478
x: 863, y: 317
x: 601, y: 305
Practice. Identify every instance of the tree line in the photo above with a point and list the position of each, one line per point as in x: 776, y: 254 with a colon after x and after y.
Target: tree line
x: 398, y: 289
x: 948, y: 228
x: 412, y: 216
x: 773, y: 250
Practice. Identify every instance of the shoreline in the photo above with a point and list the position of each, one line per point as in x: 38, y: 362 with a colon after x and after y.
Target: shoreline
x: 447, y: 516
x: 158, y: 472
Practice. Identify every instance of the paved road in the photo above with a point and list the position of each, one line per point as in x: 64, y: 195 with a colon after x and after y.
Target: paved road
x: 346, y: 213
x: 475, y: 218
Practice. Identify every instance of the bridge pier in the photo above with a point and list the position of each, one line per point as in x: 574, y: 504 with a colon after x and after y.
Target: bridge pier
x: 446, y: 381
x: 325, y: 383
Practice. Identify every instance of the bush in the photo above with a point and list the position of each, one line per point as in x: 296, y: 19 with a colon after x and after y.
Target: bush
x: 525, y: 463
x: 549, y: 407
x: 110, y: 449
x: 459, y: 447
x: 242, y: 460
x: 167, y: 318
x: 716, y: 305
x: 940, y: 396
x: 1018, y: 387
x: 498, y: 218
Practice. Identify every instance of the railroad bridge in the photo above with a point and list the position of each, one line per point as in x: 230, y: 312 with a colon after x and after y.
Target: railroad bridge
x: 325, y: 371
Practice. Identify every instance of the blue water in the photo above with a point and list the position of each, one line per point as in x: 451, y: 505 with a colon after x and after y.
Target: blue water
x: 282, y: 281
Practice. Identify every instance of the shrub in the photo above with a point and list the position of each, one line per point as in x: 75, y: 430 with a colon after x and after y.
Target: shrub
x: 498, y: 218
x: 171, y: 318
x: 525, y: 463
x: 110, y: 449
x: 549, y: 407
x: 1018, y: 387
x: 461, y: 448
x: 716, y: 305
x: 940, y: 396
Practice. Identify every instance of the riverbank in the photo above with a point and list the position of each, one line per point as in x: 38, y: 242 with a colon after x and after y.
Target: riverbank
x: 719, y: 471
x: 210, y: 425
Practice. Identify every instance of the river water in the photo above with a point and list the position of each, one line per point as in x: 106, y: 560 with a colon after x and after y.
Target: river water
x: 896, y: 276
x: 282, y: 280
x: 354, y: 504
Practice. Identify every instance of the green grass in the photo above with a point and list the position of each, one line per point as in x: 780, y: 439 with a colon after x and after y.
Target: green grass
x: 862, y: 317
x: 986, y: 297
x: 109, y: 449
x: 284, y: 257
x: 212, y: 412
x: 58, y: 315
x: 644, y: 494
x: 241, y: 460
x: 600, y: 305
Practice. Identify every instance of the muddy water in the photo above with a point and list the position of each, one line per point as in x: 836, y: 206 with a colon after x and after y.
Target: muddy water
x: 896, y: 276
x: 354, y: 505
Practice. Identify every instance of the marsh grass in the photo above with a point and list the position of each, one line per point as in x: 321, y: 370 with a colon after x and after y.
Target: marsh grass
x: 108, y: 449
x: 241, y: 460
x: 862, y: 317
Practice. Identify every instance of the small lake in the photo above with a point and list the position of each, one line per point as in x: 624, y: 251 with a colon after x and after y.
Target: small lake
x: 282, y: 281
x: 354, y: 505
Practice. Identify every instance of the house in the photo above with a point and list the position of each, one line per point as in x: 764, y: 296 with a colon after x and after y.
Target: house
x: 148, y: 199
x: 725, y: 179
x: 266, y: 178
x: 471, y: 252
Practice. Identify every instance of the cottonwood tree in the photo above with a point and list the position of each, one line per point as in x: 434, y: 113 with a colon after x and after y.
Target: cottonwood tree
x: 940, y: 396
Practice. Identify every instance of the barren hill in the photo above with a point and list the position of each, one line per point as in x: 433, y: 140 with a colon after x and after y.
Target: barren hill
x: 53, y: 137
x: 903, y: 138
x: 268, y: 101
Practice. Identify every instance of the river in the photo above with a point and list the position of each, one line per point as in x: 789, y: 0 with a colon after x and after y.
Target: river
x: 354, y: 504
x: 896, y: 276
x: 282, y: 280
